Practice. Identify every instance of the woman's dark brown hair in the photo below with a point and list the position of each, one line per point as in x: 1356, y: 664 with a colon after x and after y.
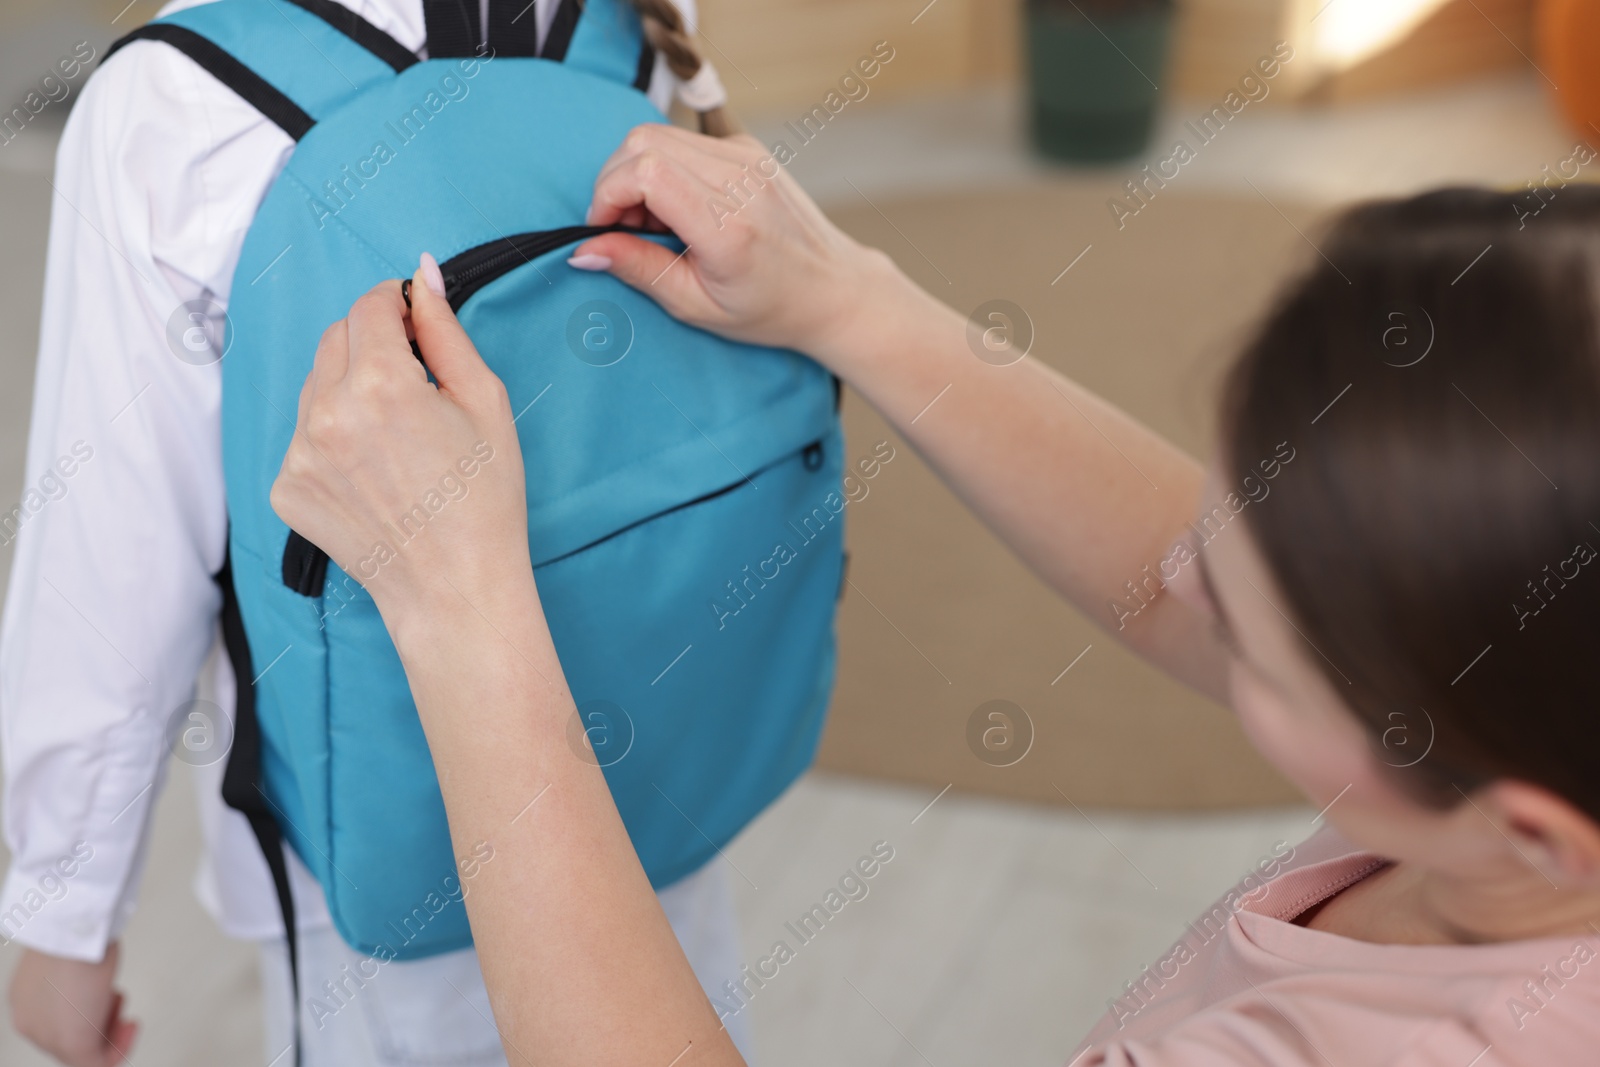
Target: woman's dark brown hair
x: 1436, y: 533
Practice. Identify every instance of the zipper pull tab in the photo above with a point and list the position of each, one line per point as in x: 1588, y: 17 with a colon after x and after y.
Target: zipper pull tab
x: 405, y: 294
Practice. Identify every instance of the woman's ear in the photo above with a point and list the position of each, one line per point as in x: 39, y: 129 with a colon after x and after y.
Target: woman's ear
x: 1550, y: 833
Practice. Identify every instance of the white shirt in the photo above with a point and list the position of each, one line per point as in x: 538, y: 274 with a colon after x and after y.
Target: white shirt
x: 111, y: 615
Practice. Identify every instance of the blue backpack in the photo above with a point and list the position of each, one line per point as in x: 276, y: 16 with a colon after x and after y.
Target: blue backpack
x: 683, y: 491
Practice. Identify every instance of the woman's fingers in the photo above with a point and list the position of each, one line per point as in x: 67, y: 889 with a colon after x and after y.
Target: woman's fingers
x: 333, y: 353
x: 665, y: 187
x: 652, y: 269
x: 446, y: 349
x: 760, y: 257
x: 375, y: 441
x: 327, y: 367
x: 680, y: 142
x: 667, y: 182
x: 378, y: 349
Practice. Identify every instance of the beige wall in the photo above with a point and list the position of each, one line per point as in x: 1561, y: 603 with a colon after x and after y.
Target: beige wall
x: 781, y: 54
x: 939, y: 617
x: 791, y: 52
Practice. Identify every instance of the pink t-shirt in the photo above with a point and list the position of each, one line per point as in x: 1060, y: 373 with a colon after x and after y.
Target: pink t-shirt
x: 1245, y: 987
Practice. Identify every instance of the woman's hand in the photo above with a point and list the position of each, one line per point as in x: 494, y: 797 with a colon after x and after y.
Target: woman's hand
x: 763, y: 264
x: 415, y: 489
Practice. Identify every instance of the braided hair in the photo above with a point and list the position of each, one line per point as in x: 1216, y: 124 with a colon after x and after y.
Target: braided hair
x: 667, y: 33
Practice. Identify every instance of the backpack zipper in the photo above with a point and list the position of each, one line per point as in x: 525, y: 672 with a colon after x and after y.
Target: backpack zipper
x: 466, y: 273
x: 811, y: 456
x: 475, y: 268
x: 305, y: 566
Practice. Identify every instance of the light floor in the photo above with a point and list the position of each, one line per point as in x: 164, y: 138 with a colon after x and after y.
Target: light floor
x: 995, y: 935
x: 998, y: 932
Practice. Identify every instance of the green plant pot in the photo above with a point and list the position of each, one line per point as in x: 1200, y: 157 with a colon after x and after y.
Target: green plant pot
x: 1092, y: 79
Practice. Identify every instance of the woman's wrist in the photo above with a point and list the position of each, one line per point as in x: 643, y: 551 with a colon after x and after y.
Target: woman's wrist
x: 868, y: 302
x: 890, y: 336
x: 425, y: 613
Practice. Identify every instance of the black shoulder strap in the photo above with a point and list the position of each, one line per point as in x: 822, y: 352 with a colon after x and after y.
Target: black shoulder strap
x: 251, y: 87
x: 562, y: 27
x: 241, y: 781
x: 362, y: 32
x: 513, y: 28
x: 453, y: 28
x: 647, y: 67
x: 565, y: 24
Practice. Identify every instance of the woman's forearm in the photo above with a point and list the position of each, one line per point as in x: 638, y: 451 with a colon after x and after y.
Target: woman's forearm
x: 1081, y: 491
x: 599, y: 977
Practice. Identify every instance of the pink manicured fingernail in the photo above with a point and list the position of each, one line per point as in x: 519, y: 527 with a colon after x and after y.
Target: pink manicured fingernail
x: 431, y: 275
x: 589, y: 261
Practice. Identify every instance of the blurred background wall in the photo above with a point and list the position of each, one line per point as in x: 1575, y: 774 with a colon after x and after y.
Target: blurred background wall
x: 1360, y: 47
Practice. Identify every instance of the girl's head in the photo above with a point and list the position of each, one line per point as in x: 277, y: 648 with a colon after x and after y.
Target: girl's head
x: 1415, y: 603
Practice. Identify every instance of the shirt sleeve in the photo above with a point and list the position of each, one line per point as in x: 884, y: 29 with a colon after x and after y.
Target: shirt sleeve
x: 112, y: 606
